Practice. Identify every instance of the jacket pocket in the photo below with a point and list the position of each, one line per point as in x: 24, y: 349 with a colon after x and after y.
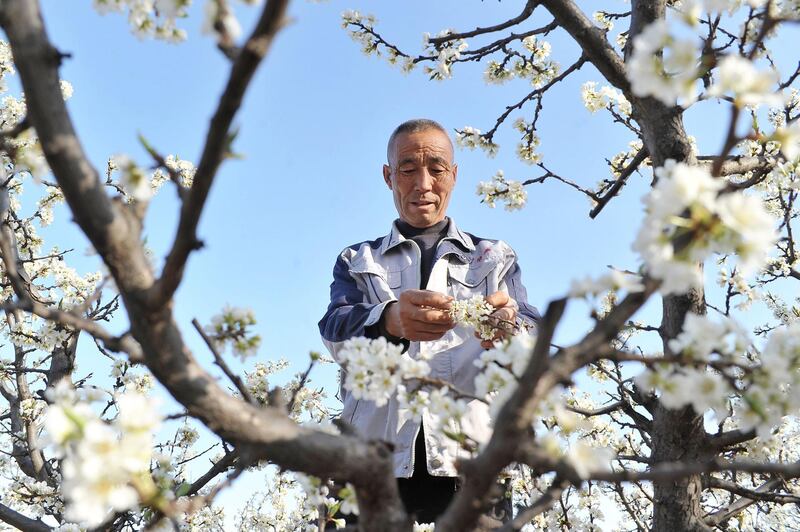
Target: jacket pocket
x: 465, y: 281
x: 377, y: 282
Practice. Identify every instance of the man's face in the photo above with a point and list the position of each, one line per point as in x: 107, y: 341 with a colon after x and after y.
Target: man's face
x: 421, y: 175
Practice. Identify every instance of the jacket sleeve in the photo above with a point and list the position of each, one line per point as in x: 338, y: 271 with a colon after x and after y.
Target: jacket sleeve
x: 527, y: 314
x: 349, y: 314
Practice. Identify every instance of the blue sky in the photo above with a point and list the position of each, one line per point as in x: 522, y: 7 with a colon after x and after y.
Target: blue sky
x: 313, y: 131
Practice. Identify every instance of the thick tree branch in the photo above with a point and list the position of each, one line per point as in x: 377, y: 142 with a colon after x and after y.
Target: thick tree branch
x: 731, y: 438
x: 17, y: 520
x: 592, y: 41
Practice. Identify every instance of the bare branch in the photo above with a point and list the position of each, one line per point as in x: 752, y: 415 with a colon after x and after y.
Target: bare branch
x: 527, y: 11
x: 638, y: 159
x: 217, y: 147
x: 219, y: 361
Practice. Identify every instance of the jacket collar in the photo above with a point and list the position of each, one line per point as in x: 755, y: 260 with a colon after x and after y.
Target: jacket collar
x: 454, y: 234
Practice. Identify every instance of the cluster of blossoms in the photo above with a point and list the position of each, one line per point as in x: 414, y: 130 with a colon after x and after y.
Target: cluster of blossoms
x: 150, y: 18
x: 688, y: 219
x: 141, y: 187
x: 132, y: 177
x: 526, y: 148
x: 670, y: 76
x: 501, y: 366
x: 512, y: 192
x: 497, y: 73
x: 185, y: 171
x: 753, y: 394
x: 318, y: 495
x: 363, y: 32
x: 105, y: 466
x: 604, y: 98
x: 448, y: 52
x: 667, y: 67
x: 748, y: 86
x: 376, y: 367
x: 602, y: 20
x: 27, y: 152
x: 131, y: 380
x: 474, y: 312
x: 257, y: 380
x: 774, y: 387
x: 471, y: 138
x: 739, y: 285
x: 230, y: 328
x: 535, y: 66
x: 538, y: 68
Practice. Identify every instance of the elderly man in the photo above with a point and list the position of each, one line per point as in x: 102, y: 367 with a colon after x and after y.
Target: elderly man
x: 400, y: 286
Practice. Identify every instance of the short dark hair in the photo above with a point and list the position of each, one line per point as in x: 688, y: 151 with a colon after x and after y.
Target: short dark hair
x: 415, y: 125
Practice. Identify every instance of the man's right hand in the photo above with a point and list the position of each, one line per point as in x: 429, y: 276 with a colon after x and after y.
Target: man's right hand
x: 419, y: 315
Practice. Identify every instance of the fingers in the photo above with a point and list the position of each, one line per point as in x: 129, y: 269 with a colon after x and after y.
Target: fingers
x: 427, y: 298
x: 498, y: 299
x: 427, y: 315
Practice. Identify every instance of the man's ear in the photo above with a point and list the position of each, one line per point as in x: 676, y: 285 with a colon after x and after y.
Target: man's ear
x: 387, y: 176
x: 455, y: 172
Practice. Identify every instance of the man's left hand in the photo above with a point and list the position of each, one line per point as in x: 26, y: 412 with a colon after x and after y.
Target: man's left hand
x: 503, y: 318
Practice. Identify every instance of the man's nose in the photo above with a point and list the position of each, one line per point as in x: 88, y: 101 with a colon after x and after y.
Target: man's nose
x: 424, y: 181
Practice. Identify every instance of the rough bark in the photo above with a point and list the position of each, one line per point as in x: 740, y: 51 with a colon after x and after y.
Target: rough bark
x: 676, y: 434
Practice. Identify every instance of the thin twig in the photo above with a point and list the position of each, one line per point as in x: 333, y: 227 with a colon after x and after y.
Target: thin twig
x: 219, y: 361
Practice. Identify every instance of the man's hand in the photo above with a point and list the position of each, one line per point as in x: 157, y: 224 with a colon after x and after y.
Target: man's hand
x: 419, y: 315
x: 503, y: 318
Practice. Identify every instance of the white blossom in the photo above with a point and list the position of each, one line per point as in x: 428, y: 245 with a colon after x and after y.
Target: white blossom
x: 511, y: 192
x: 686, y: 205
x: 737, y: 75
x: 132, y: 178
x: 669, y: 77
x: 474, y: 313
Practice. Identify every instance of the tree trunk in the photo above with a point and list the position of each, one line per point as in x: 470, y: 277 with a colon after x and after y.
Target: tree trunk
x: 678, y: 435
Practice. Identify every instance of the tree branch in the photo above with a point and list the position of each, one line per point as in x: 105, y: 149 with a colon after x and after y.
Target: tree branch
x: 217, y: 147
x: 747, y: 498
x: 542, y: 504
x: 638, y: 159
x: 20, y: 521
x: 592, y: 41
x: 527, y: 11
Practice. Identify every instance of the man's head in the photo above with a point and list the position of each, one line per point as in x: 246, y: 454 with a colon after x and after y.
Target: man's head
x: 421, y: 172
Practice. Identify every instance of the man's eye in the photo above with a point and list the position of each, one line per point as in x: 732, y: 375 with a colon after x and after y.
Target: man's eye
x: 407, y: 171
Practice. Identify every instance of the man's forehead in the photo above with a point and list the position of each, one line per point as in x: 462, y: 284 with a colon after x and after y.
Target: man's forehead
x: 421, y: 144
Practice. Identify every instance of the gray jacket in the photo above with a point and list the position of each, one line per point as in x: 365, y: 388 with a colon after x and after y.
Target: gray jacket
x: 370, y: 275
